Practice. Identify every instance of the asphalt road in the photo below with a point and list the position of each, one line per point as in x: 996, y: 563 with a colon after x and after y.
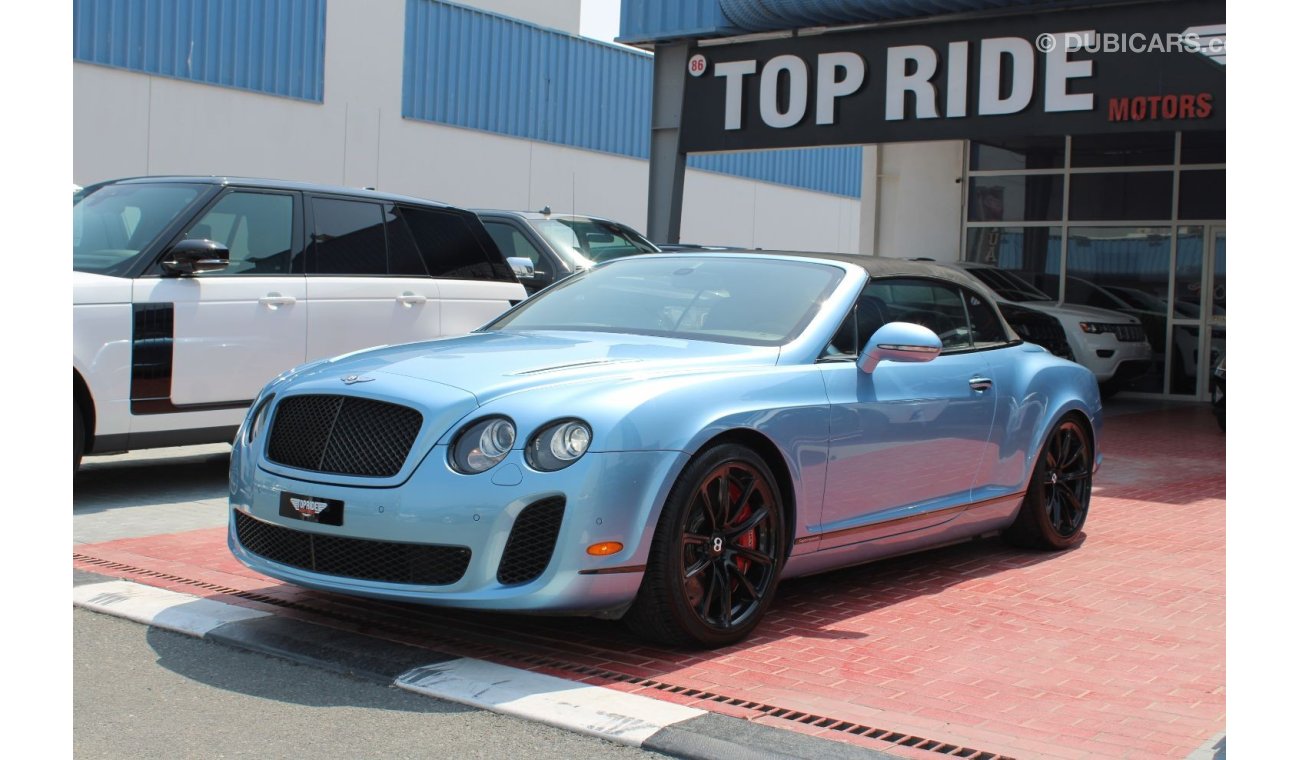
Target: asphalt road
x: 143, y: 693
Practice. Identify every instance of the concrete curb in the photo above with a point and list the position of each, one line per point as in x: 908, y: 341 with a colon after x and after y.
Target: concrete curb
x: 617, y: 716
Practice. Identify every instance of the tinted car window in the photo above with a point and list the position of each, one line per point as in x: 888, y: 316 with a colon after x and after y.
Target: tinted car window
x: 928, y: 303
x: 986, y: 329
x: 256, y: 227
x: 403, y: 254
x: 450, y: 246
x: 512, y: 242
x: 349, y: 237
x: 112, y: 224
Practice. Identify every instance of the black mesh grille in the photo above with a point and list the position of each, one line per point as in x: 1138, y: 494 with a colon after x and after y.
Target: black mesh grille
x: 423, y: 564
x: 1039, y: 328
x: 532, y: 541
x: 1130, y: 333
x: 343, y: 434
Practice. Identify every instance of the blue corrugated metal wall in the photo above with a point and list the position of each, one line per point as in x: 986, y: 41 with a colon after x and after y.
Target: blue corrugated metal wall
x: 479, y: 70
x: 270, y: 46
x: 646, y: 20
x: 827, y: 170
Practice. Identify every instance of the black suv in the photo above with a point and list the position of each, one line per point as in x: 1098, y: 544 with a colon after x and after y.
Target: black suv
x: 558, y: 245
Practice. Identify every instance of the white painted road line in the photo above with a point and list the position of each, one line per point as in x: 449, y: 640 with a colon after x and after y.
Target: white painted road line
x: 175, y: 611
x: 593, y: 710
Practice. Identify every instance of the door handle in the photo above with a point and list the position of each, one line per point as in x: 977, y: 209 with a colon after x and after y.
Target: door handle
x: 410, y: 299
x: 980, y: 384
x: 274, y: 300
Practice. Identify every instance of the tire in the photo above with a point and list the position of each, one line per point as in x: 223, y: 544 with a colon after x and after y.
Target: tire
x: 78, y: 436
x: 1056, y: 504
x: 705, y: 585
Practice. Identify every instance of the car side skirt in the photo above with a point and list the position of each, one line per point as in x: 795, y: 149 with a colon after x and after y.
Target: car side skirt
x: 970, y: 521
x: 107, y: 444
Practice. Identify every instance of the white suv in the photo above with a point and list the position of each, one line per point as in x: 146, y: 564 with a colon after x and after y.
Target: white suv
x: 191, y: 293
x: 1111, y: 344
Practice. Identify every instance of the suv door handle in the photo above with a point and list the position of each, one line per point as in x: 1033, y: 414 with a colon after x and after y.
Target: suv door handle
x: 410, y: 299
x: 980, y: 384
x: 274, y: 300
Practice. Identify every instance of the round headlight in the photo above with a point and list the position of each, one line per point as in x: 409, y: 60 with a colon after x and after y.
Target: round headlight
x: 482, y: 445
x: 559, y: 445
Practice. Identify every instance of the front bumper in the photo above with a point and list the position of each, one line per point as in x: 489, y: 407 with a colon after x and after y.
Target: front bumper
x: 1105, y: 354
x: 614, y: 496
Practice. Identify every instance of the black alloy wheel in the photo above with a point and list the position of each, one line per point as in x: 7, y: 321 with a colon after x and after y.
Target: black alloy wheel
x: 729, y: 549
x: 716, y: 555
x: 1056, y: 504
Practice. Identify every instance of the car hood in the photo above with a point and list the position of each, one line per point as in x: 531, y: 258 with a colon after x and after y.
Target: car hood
x: 1075, y: 311
x: 88, y: 288
x: 494, y: 364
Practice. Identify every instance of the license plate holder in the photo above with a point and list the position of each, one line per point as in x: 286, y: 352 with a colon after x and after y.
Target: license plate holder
x: 316, y: 509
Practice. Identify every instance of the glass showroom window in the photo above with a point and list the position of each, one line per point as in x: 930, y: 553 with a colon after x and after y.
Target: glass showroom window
x: 1103, y: 221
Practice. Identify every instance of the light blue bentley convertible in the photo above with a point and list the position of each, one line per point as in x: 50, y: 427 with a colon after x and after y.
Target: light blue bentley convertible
x: 663, y: 438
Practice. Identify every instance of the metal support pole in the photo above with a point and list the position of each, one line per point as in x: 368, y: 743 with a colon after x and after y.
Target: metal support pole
x: 667, y: 161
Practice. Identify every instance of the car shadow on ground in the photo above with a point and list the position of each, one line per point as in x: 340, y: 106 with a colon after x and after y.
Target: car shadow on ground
x: 112, y: 482
x: 222, y: 668
x: 837, y: 605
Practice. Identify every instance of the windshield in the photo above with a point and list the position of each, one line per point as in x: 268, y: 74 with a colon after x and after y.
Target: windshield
x: 753, y: 302
x: 112, y: 224
x: 1008, y: 285
x: 1136, y: 299
x: 585, y: 242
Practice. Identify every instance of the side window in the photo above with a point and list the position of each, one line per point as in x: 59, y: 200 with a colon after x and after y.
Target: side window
x: 257, y: 228
x: 986, y: 329
x: 867, y: 316
x: 403, y: 253
x: 449, y: 246
x: 929, y: 303
x: 513, y: 243
x: 349, y: 237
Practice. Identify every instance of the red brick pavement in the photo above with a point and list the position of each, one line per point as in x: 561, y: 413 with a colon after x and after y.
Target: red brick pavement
x: 1115, y: 649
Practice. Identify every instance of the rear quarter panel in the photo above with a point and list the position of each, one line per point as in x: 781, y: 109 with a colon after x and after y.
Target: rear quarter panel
x: 1035, y: 389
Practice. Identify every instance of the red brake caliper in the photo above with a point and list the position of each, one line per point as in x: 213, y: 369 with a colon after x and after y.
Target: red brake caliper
x: 748, y: 539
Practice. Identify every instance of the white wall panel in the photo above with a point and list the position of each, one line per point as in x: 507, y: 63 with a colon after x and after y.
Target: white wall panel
x: 915, y: 200
x: 557, y: 14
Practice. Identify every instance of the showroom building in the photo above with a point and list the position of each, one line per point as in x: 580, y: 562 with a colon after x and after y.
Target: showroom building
x: 1080, y: 145
x: 915, y: 128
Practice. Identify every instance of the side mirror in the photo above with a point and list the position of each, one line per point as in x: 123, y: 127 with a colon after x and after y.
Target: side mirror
x: 900, y: 342
x: 522, y: 267
x: 190, y: 257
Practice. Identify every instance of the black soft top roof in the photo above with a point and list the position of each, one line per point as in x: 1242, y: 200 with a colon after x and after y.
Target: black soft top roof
x: 876, y: 266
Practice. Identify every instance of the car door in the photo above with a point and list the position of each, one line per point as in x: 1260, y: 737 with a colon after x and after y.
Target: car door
x: 213, y: 339
x: 907, y: 440
x: 474, y: 280
x: 366, y: 283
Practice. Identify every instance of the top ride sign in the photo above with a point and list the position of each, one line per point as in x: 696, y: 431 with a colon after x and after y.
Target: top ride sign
x: 1137, y: 67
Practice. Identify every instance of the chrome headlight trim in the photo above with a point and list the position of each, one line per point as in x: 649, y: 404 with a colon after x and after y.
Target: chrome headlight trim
x: 558, y: 444
x: 257, y: 417
x: 482, y: 444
